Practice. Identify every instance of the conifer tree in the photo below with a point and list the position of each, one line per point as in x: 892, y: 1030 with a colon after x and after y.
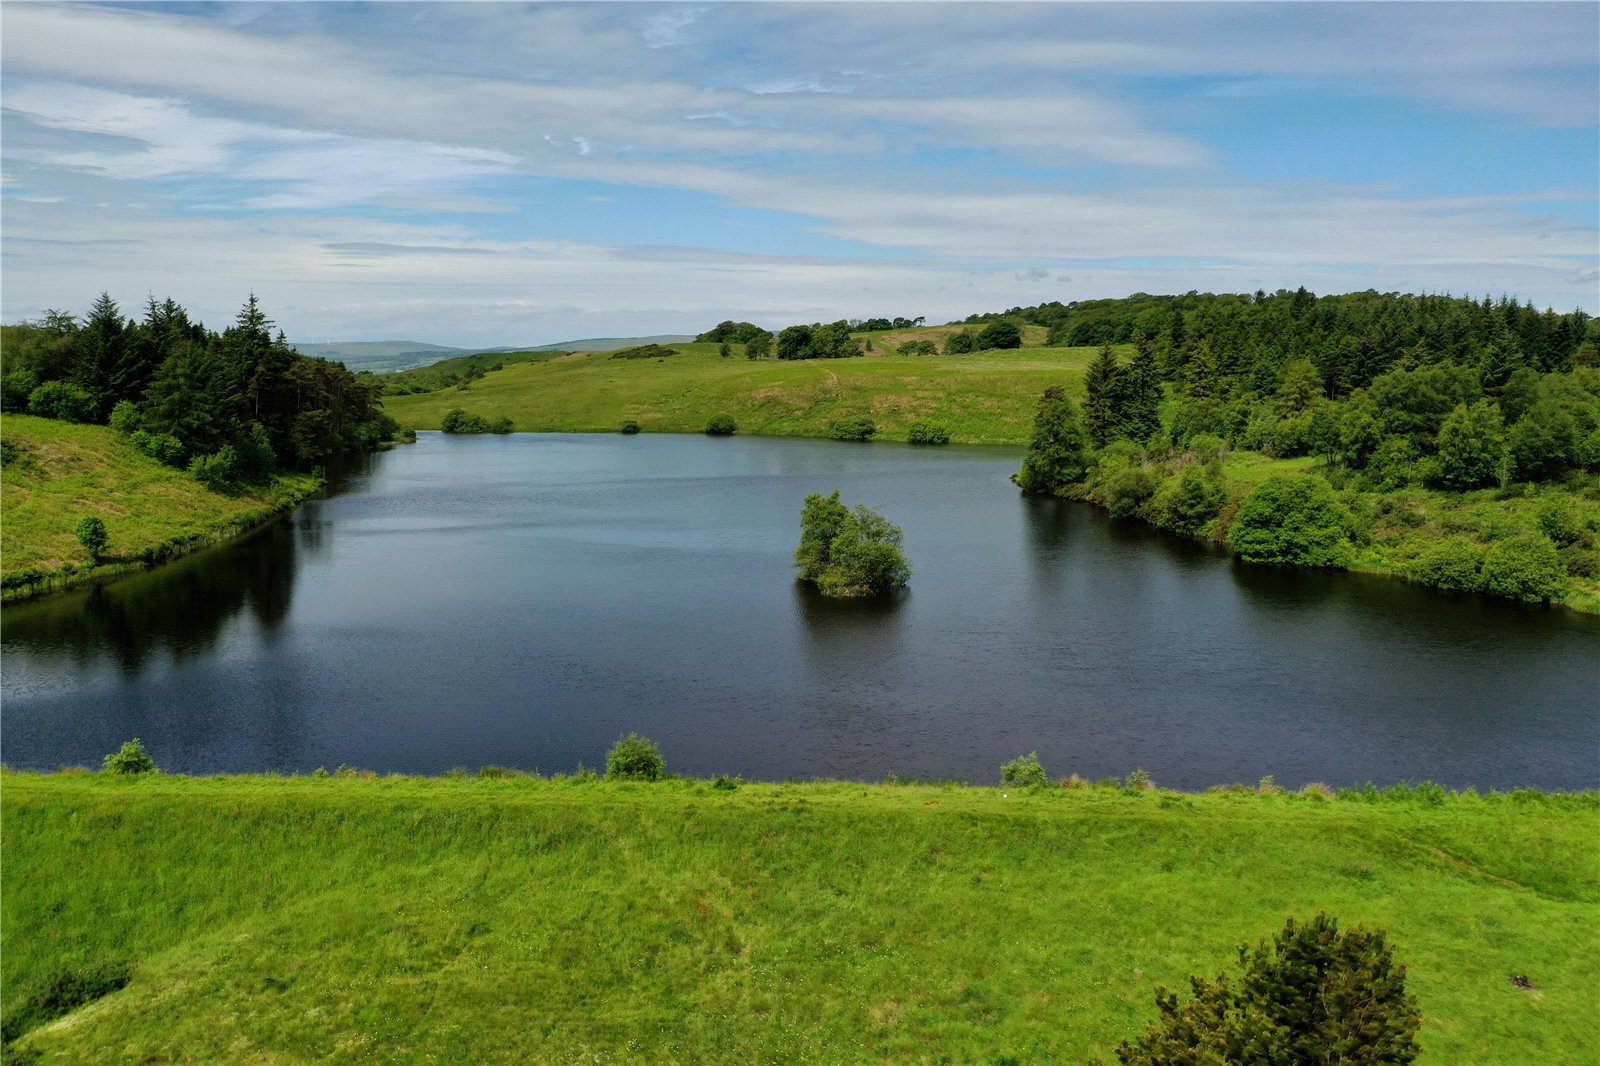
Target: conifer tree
x: 1100, y: 381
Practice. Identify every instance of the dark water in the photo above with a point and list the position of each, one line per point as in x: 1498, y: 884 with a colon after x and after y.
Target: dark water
x: 524, y: 600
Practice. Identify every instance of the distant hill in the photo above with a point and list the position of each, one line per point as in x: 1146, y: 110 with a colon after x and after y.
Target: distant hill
x: 383, y: 357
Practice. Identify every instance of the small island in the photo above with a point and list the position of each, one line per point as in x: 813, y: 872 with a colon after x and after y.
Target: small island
x: 845, y: 552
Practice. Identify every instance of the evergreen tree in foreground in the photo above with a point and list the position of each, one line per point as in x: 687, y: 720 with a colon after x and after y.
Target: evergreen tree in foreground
x: 1315, y: 995
x: 1056, y: 455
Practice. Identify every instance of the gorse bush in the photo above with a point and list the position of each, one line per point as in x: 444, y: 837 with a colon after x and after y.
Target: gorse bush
x: 1025, y: 771
x: 131, y: 758
x: 635, y: 758
x: 1315, y: 995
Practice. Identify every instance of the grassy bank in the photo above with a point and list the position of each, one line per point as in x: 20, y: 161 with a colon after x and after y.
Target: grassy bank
x: 983, y: 398
x: 58, y: 472
x: 518, y: 919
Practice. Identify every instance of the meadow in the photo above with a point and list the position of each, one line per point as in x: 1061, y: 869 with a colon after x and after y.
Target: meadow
x: 513, y: 918
x: 59, y: 472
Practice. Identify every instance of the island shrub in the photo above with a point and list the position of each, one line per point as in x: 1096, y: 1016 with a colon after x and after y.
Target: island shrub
x: 721, y: 426
x: 847, y: 552
x: 925, y: 432
x: 91, y: 533
x: 629, y: 426
x: 635, y: 758
x: 1025, y: 771
x: 852, y: 429
x: 1526, y: 567
x: 131, y: 758
x: 1453, y: 563
x: 1315, y: 995
x: 1294, y: 519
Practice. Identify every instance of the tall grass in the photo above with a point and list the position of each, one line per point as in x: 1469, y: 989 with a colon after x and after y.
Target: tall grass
x: 517, y: 919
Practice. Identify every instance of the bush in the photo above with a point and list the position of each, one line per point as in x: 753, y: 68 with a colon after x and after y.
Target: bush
x: 918, y: 347
x: 217, y: 471
x: 458, y: 421
x: 131, y: 758
x: 644, y: 351
x: 635, y: 758
x: 91, y: 533
x: 1187, y: 503
x: 15, y: 388
x: 1526, y: 567
x: 999, y: 335
x: 852, y: 429
x: 1558, y: 522
x: 923, y: 432
x: 1294, y: 519
x: 630, y: 426
x: 62, y: 400
x: 1315, y: 996
x: 721, y: 426
x: 500, y: 425
x: 125, y: 418
x: 1127, y: 490
x: 1024, y: 771
x: 849, y: 553
x: 1450, y: 564
x: 958, y: 343
x: 1472, y: 446
x: 162, y: 447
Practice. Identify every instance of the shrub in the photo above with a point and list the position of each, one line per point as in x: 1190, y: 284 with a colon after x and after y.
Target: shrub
x: 629, y: 426
x: 217, y: 471
x: 644, y: 351
x: 125, y: 418
x: 1025, y: 771
x: 1450, y: 564
x: 1295, y: 519
x: 162, y: 447
x: 918, y: 347
x: 131, y: 758
x: 852, y: 429
x: 1127, y: 490
x: 62, y: 400
x: 721, y: 426
x: 1526, y: 567
x: 500, y: 425
x: 458, y: 421
x: 923, y: 432
x: 15, y: 388
x: 1315, y: 996
x: 635, y: 758
x: 998, y: 335
x: 1392, y: 464
x: 958, y: 343
x: 1472, y: 446
x: 849, y: 553
x: 1056, y: 456
x: 1187, y: 503
x: 1558, y: 522
x: 91, y: 533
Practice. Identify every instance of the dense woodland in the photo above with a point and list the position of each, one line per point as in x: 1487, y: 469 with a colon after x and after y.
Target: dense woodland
x: 229, y: 407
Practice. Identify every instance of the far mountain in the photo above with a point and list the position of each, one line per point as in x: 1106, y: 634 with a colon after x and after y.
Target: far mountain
x: 381, y: 357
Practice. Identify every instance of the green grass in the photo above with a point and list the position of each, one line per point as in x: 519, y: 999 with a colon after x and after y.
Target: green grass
x: 520, y: 919
x: 60, y: 471
x: 983, y: 398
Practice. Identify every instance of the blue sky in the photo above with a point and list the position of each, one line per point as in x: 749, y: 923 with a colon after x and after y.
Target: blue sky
x: 482, y: 174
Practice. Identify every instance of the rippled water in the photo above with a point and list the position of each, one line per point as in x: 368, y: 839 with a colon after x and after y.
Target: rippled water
x: 524, y: 600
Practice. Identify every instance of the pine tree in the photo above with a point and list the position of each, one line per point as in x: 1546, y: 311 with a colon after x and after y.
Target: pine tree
x: 1141, y: 418
x: 97, y: 349
x: 1056, y: 456
x: 1100, y: 408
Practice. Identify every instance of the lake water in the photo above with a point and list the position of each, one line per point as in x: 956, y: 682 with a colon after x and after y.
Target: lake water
x: 525, y: 600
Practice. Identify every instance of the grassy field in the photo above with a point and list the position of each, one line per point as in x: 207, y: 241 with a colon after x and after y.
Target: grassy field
x: 521, y: 919
x: 983, y: 398
x: 58, y: 472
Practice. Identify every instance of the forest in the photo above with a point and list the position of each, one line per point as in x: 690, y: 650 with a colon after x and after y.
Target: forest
x: 230, y: 407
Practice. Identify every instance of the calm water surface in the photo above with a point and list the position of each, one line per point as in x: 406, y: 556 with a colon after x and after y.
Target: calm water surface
x: 524, y: 600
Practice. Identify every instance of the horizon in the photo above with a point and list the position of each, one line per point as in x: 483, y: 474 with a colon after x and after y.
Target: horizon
x: 485, y: 175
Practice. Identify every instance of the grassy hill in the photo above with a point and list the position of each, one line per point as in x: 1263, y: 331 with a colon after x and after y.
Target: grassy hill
x: 58, y: 472
x: 517, y: 919
x: 983, y: 398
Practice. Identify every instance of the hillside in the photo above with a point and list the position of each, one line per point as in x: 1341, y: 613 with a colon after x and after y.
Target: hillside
x: 983, y: 398
x: 58, y: 472
x: 518, y: 919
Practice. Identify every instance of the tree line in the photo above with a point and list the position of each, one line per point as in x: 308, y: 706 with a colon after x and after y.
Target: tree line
x: 229, y: 407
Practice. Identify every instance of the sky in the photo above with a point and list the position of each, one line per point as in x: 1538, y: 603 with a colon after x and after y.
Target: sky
x: 480, y: 174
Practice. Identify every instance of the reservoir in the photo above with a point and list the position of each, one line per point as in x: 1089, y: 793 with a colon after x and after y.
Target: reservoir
x: 524, y: 600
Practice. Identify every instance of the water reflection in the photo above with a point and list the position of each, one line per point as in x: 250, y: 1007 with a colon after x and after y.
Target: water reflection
x: 179, y: 609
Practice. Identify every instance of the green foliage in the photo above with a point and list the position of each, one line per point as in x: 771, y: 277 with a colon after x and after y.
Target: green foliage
x: 1451, y: 563
x: 1056, y: 456
x: 1526, y: 567
x: 998, y: 335
x: 721, y: 426
x: 500, y: 425
x: 1392, y: 464
x: 131, y: 758
x: 1100, y: 409
x: 635, y: 758
x: 925, y: 432
x: 1127, y: 490
x: 961, y: 343
x: 644, y: 351
x: 734, y: 332
x: 1472, y: 446
x: 218, y: 471
x: 818, y: 341
x: 848, y: 552
x: 920, y: 346
x: 629, y: 426
x: 1558, y: 521
x: 1314, y: 996
x: 1294, y: 519
x: 62, y: 400
x: 15, y: 388
x: 852, y: 429
x: 1025, y: 771
x: 759, y: 346
x: 1188, y: 502
x: 91, y: 533
x: 459, y: 421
